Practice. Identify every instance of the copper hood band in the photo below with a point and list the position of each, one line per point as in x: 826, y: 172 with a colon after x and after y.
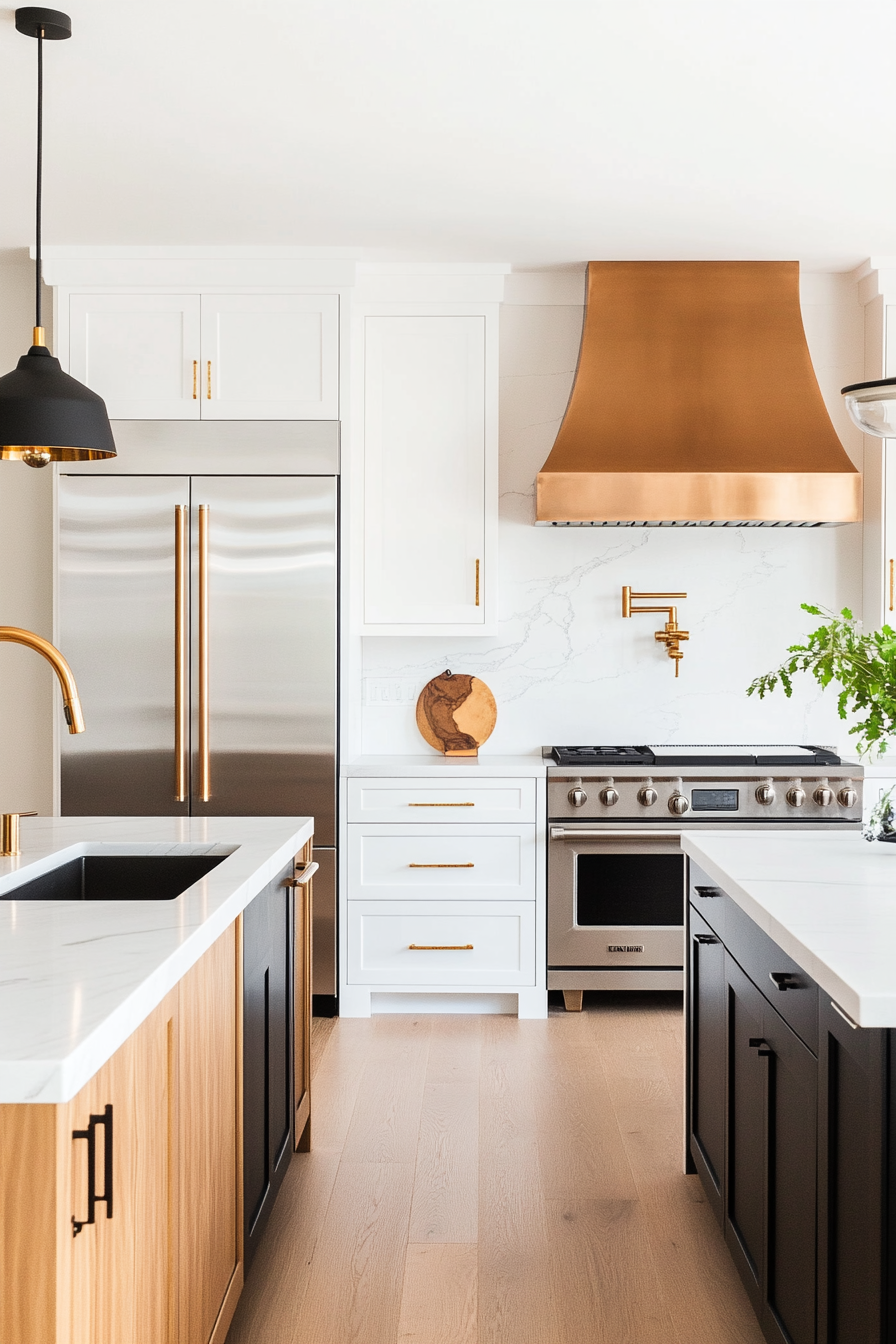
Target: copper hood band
x: 695, y: 401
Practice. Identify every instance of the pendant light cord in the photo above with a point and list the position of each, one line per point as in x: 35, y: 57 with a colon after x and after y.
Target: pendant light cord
x: 40, y: 166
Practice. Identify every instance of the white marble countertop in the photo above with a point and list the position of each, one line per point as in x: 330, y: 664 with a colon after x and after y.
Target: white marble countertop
x: 434, y: 766
x: 77, y: 978
x: 828, y: 900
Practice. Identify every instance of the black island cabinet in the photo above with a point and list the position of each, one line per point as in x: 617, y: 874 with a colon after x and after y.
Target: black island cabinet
x: 268, y: 1052
x: 791, y: 1124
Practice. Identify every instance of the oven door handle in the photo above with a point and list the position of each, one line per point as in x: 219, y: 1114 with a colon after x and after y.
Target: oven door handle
x: 561, y: 833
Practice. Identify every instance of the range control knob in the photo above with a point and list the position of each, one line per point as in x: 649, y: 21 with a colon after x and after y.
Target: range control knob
x: 823, y: 795
x: 647, y: 794
x: 577, y: 795
x: 608, y: 795
x: 796, y: 795
x: 847, y: 795
x: 765, y: 794
x: 679, y: 804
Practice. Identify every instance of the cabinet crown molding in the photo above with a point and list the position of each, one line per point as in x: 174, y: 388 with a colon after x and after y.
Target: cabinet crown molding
x: 278, y: 268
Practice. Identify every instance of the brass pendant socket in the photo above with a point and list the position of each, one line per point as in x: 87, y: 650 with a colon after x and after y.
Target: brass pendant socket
x: 39, y: 336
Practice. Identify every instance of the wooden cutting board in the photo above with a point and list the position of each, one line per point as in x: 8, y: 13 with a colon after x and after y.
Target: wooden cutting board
x: 456, y: 713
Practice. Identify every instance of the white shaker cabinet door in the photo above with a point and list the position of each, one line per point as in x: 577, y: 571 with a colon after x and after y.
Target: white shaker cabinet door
x: 140, y: 352
x: 270, y: 357
x: 426, y: 566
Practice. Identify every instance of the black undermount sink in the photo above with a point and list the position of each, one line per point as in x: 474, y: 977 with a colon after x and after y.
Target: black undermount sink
x: 117, y: 877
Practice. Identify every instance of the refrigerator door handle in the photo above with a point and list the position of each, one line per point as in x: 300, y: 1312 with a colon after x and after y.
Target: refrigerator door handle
x: 180, y: 653
x: 205, y: 788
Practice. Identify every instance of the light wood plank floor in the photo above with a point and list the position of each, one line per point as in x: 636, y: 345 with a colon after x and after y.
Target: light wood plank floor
x: 481, y: 1180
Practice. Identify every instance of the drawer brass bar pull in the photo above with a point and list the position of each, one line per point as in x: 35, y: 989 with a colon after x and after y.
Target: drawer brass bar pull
x: 477, y: 584
x: 441, y: 804
x: 440, y: 947
x: 195, y: 375
x: 848, y: 1020
x: 441, y: 865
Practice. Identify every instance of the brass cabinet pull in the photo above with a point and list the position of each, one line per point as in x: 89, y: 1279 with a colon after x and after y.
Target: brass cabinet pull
x: 208, y: 380
x: 441, y: 804
x: 195, y: 379
x: 477, y: 583
x: 205, y: 790
x: 303, y: 876
x: 180, y: 653
x: 441, y: 865
x: 891, y: 585
x: 440, y: 947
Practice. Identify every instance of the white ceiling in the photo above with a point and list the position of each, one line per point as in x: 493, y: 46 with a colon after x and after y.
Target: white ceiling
x: 534, y: 131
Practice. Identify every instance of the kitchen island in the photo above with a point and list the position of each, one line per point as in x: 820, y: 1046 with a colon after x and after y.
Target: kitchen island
x: 791, y: 1112
x: 829, y: 901
x: 140, y: 1147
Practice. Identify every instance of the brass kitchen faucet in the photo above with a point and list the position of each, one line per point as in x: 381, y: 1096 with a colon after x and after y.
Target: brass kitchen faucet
x: 71, y: 703
x: 670, y: 635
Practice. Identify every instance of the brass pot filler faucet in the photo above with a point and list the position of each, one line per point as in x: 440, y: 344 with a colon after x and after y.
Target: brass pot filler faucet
x: 670, y: 635
x: 71, y: 707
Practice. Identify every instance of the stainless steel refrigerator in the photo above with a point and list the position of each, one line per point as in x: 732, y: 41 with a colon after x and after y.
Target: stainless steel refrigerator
x: 196, y: 604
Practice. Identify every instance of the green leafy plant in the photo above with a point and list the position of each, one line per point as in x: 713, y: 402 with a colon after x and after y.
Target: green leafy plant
x: 863, y: 665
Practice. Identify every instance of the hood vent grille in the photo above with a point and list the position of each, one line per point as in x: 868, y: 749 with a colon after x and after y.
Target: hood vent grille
x: 695, y: 404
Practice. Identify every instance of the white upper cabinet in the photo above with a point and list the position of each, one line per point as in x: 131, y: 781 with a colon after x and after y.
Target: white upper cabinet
x: 140, y: 352
x: 429, y: 488
x: 270, y: 357
x: 210, y: 356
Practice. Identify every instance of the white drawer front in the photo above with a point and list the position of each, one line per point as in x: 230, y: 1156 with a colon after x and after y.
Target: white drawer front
x: 441, y: 863
x: 423, y: 801
x: 392, y: 944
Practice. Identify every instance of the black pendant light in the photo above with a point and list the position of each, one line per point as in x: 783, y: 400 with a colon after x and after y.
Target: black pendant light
x: 45, y: 415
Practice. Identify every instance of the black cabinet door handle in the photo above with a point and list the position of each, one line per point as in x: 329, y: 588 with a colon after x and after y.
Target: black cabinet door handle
x: 92, y: 1197
x: 704, y: 938
x: 706, y: 892
x: 785, y: 980
x: 758, y: 1043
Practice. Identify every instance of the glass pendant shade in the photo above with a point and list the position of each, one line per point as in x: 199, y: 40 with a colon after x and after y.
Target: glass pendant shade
x: 872, y: 406
x: 47, y: 416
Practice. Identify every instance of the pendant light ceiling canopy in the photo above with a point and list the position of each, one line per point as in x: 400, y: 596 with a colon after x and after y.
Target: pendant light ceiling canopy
x: 45, y: 415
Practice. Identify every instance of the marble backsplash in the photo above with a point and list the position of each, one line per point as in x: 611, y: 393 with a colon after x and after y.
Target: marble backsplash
x: 564, y: 665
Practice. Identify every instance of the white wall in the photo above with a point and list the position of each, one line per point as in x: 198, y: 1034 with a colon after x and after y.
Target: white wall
x: 26, y: 588
x: 564, y: 666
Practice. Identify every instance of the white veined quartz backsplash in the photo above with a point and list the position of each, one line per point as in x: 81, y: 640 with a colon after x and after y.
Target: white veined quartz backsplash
x: 565, y: 666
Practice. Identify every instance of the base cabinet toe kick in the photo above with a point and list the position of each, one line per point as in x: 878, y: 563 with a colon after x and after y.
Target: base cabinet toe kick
x: 791, y: 1127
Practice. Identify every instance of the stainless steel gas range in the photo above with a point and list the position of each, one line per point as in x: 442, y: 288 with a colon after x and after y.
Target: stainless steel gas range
x: 615, y: 867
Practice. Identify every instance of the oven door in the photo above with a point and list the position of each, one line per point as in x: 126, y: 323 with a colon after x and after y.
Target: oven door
x: 615, y: 898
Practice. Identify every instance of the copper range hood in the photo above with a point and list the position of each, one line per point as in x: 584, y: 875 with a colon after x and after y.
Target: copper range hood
x: 695, y: 404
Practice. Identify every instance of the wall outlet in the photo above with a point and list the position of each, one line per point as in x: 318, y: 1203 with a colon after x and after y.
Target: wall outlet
x: 394, y: 692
